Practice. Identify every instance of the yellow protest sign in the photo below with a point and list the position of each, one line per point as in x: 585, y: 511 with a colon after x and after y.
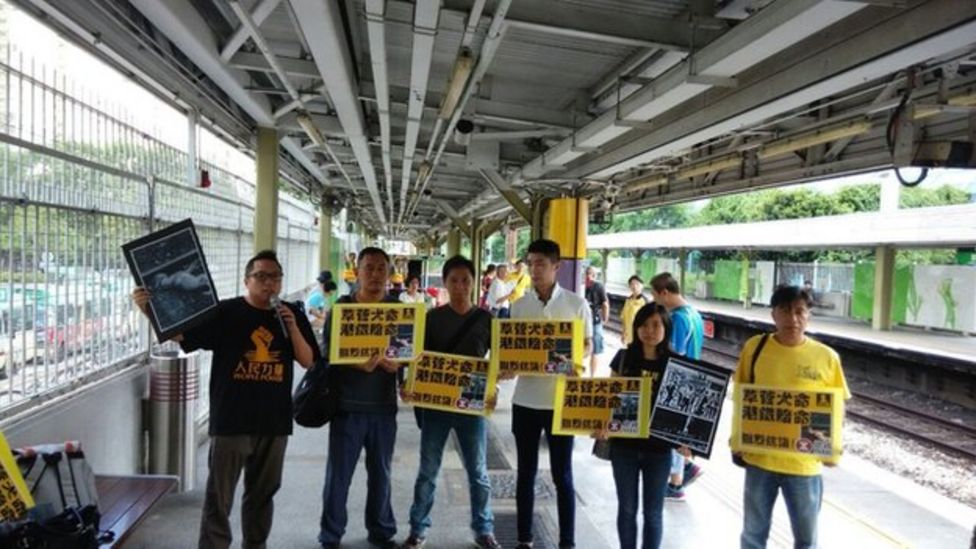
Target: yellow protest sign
x: 537, y: 347
x: 775, y: 420
x: 15, y: 498
x: 621, y: 405
x: 453, y: 383
x: 359, y: 331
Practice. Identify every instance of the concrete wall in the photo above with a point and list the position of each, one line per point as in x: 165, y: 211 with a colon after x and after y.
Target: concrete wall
x: 106, y: 418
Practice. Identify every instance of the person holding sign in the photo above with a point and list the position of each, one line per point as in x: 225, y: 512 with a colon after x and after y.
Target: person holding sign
x: 458, y: 328
x: 532, y: 404
x: 250, y: 397
x: 649, y: 458
x: 366, y: 419
x: 789, y: 360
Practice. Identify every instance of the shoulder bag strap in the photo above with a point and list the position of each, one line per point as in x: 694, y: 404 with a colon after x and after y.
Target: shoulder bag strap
x: 465, y: 326
x: 755, y: 357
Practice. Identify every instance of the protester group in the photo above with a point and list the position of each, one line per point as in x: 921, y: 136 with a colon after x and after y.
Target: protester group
x: 255, y: 346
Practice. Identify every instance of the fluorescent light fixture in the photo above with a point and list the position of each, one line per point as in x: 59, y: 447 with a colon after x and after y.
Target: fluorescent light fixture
x: 787, y: 145
x: 459, y: 77
x: 313, y: 133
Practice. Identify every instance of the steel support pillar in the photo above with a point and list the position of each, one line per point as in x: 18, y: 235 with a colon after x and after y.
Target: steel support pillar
x: 266, y: 192
x: 453, y: 242
x: 325, y: 240
x: 477, y: 255
x: 884, y: 281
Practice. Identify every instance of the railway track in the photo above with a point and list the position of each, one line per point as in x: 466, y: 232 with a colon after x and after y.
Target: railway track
x: 947, y: 435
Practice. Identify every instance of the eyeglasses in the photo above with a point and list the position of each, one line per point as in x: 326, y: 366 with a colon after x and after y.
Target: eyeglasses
x: 267, y: 277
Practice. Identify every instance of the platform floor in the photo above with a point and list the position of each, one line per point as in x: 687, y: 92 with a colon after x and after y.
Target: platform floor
x: 936, y: 342
x: 864, y: 507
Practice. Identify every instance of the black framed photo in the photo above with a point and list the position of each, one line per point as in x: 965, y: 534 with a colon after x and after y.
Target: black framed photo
x: 170, y: 264
x: 689, y: 404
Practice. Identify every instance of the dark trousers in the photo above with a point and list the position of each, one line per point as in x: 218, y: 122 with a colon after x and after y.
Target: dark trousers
x: 528, y: 425
x: 349, y: 433
x: 629, y: 465
x: 261, y: 459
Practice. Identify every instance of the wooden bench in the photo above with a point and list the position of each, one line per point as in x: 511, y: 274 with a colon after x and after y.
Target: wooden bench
x: 124, y: 501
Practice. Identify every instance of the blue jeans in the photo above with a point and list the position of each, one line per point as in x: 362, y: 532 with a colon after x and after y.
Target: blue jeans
x: 471, y: 432
x: 349, y: 433
x: 527, y: 426
x: 598, y: 338
x: 629, y: 464
x: 803, y: 495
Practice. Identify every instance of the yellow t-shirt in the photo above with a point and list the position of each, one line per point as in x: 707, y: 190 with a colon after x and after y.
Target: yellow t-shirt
x: 522, y: 283
x: 627, y: 313
x: 810, y: 365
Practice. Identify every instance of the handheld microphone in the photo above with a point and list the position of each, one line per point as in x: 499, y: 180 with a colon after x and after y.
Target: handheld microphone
x: 275, y: 302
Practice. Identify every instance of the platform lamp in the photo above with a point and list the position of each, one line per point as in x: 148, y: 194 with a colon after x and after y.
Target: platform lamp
x: 459, y: 77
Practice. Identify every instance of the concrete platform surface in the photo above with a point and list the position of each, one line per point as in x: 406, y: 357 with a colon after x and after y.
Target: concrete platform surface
x: 864, y: 507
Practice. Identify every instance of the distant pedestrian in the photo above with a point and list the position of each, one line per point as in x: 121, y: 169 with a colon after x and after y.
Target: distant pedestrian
x: 596, y: 296
x: 499, y: 293
x: 632, y: 304
x: 687, y: 339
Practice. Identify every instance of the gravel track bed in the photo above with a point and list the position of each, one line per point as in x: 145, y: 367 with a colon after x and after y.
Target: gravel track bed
x: 947, y: 473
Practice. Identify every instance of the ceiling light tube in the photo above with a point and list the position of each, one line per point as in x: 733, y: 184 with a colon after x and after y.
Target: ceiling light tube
x: 796, y: 143
x: 459, y: 77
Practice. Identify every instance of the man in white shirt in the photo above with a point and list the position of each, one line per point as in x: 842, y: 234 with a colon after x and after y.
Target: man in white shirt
x: 532, y: 404
x: 499, y: 293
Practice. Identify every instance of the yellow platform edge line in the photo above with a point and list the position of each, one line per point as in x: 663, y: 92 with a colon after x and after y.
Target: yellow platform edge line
x: 867, y: 523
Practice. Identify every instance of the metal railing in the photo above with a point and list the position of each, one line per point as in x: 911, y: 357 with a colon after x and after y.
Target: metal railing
x: 78, y: 178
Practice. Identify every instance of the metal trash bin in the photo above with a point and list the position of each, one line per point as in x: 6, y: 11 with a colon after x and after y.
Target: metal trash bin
x: 174, y: 385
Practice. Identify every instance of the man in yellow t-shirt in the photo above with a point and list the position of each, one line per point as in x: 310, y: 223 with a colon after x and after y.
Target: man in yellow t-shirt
x: 521, y: 281
x: 789, y: 359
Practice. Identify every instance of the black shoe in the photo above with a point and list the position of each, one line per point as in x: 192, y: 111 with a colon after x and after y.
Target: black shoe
x: 382, y: 543
x: 330, y: 546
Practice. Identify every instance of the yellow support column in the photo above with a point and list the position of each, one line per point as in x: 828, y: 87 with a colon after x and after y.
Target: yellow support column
x: 884, y: 283
x: 325, y: 240
x: 266, y: 193
x: 568, y: 226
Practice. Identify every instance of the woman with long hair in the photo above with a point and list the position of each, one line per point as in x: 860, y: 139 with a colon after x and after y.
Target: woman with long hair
x: 650, y: 458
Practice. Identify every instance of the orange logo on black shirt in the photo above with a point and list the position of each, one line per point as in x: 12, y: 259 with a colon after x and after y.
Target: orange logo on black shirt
x: 261, y: 364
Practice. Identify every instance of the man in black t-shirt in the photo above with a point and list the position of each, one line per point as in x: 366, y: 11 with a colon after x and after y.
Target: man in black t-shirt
x: 366, y: 420
x: 596, y: 296
x: 458, y: 328
x: 250, y: 398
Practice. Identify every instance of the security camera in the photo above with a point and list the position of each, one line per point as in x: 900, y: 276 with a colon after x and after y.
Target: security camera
x: 462, y: 133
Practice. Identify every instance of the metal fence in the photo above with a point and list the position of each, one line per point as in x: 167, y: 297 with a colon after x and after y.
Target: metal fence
x: 77, y: 180
x: 825, y: 277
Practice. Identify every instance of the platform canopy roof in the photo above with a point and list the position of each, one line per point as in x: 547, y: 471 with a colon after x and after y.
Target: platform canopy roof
x: 935, y: 227
x: 419, y: 114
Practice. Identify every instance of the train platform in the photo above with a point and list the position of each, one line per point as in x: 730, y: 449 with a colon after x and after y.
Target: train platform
x: 955, y: 346
x: 864, y: 506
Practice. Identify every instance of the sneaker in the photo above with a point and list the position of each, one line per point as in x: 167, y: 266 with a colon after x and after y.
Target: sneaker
x: 487, y: 541
x: 382, y: 543
x: 524, y: 545
x: 413, y: 542
x: 691, y: 474
x: 674, y: 493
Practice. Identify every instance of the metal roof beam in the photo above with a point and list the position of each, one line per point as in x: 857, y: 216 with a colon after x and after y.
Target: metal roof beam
x: 593, y: 23
x: 908, y: 37
x: 234, y: 43
x: 298, y: 68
